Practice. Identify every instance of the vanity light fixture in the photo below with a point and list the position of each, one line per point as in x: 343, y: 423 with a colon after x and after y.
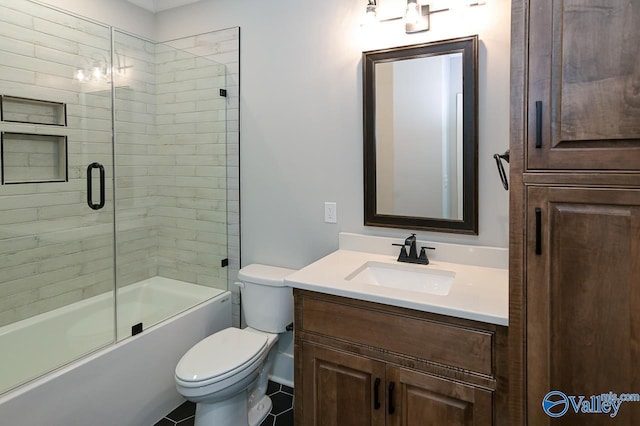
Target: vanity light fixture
x: 97, y: 70
x: 371, y: 16
x: 417, y: 16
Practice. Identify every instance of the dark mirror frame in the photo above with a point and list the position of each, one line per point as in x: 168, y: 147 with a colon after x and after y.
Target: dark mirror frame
x: 468, y: 46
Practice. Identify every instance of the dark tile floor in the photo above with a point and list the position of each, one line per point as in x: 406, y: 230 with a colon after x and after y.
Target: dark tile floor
x: 281, y: 413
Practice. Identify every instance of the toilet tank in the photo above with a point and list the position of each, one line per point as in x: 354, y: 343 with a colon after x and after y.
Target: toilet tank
x: 267, y: 304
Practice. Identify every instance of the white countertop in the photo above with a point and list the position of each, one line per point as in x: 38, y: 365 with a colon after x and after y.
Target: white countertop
x: 477, y: 293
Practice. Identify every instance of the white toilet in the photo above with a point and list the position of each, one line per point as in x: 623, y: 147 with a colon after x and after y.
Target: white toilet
x: 226, y: 374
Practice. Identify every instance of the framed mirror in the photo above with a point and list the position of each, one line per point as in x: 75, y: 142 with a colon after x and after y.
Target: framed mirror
x: 421, y: 136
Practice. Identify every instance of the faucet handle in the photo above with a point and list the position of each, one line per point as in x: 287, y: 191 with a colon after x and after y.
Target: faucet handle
x: 403, y: 251
x: 423, y: 254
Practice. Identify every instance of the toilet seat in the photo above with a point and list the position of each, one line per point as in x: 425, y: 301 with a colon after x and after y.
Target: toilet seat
x: 220, y: 356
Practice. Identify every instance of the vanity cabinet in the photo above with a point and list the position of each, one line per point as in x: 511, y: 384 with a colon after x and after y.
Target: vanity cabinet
x: 343, y: 389
x: 363, y: 363
x: 574, y: 269
x: 422, y: 399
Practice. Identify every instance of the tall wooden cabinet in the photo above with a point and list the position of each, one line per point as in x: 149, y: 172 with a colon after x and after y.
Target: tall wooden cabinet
x: 583, y: 88
x: 574, y: 323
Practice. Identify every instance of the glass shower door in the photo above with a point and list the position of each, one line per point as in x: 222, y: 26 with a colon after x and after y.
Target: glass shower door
x: 171, y: 202
x: 56, y: 194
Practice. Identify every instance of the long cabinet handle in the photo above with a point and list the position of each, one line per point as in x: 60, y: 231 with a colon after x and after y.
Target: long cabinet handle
x: 392, y: 408
x: 90, y: 203
x: 538, y: 230
x: 376, y: 394
x: 538, y: 124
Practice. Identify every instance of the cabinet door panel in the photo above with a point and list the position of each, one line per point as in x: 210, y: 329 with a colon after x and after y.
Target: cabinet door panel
x: 424, y: 400
x: 583, y: 290
x: 584, y: 85
x: 339, y: 388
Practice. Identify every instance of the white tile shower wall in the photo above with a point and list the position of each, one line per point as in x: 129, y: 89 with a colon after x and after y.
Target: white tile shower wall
x: 191, y: 189
x: 224, y: 47
x: 171, y: 175
x: 55, y: 250
x: 137, y: 231
x: 170, y: 164
x: 28, y: 158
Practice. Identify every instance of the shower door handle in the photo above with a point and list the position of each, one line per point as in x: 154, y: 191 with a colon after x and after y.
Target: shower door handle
x: 100, y: 167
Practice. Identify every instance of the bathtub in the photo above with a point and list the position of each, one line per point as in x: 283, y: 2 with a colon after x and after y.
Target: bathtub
x: 130, y: 382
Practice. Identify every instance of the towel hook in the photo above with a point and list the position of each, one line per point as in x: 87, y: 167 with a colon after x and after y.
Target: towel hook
x: 501, y: 172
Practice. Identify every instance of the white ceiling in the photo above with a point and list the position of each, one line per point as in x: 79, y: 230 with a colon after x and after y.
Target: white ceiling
x: 160, y: 5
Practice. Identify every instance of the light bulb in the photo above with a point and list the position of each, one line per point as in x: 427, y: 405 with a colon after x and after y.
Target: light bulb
x: 412, y: 16
x: 371, y: 11
x: 80, y: 75
x: 370, y: 17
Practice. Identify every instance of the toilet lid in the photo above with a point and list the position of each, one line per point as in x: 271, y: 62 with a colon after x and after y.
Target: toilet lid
x: 221, y: 354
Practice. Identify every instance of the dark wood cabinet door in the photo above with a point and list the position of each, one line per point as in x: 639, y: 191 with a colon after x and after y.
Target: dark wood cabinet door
x: 340, y: 388
x: 420, y: 399
x: 583, y: 103
x: 583, y: 299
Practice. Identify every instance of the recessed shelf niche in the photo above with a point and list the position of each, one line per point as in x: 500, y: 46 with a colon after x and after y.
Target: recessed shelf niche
x: 24, y: 110
x: 33, y: 158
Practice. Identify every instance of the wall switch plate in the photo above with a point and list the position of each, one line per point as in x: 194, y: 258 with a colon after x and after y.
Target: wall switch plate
x: 330, y: 212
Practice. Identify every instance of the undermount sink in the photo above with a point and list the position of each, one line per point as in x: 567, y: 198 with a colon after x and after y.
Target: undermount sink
x: 423, y: 279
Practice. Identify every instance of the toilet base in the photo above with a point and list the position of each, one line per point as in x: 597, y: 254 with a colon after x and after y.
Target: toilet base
x: 234, y: 401
x: 231, y: 411
x: 260, y: 411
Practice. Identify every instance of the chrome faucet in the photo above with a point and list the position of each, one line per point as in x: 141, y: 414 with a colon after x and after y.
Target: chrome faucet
x: 413, y: 256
